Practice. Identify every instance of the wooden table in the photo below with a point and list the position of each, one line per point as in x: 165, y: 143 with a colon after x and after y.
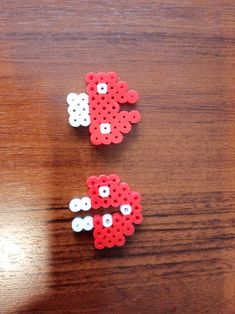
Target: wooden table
x: 179, y: 55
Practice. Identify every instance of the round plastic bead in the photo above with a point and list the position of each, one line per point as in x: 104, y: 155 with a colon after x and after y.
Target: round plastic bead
x: 88, y: 223
x: 132, y: 96
x: 92, y: 180
x: 102, y: 77
x: 128, y: 229
x: 107, y: 220
x: 83, y: 98
x: 114, y: 178
x: 99, y: 244
x: 97, y: 221
x: 91, y: 89
x: 109, y: 242
x: 106, y: 139
x: 86, y: 203
x: 74, y: 121
x: 120, y: 241
x: 102, y: 88
x: 117, y: 137
x: 85, y: 120
x: 112, y: 77
x: 73, y: 109
x: 72, y: 99
x: 124, y: 126
x: 117, y: 219
x: 134, y: 116
x: 96, y: 202
x: 104, y: 191
x: 103, y: 179
x: 122, y: 86
x: 135, y: 197
x: 137, y: 218
x: 77, y: 224
x: 91, y: 77
x: 122, y: 98
x: 125, y: 198
x: 124, y: 187
x: 75, y: 205
x: 106, y: 202
x: 105, y: 128
x: 96, y: 139
x: 137, y: 208
x: 126, y: 209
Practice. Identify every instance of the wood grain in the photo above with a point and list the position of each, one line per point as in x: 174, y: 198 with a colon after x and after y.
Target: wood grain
x: 180, y: 56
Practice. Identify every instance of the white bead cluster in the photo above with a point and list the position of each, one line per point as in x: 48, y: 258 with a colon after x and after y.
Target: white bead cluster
x: 78, y: 204
x: 79, y: 224
x: 78, y: 109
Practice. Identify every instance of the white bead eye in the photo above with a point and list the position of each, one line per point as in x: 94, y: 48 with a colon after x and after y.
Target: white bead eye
x: 75, y: 205
x: 105, y: 128
x: 85, y: 203
x: 107, y: 220
x: 74, y: 121
x: 88, y: 223
x: 73, y: 99
x: 77, y: 224
x: 126, y: 209
x: 104, y: 191
x: 102, y: 88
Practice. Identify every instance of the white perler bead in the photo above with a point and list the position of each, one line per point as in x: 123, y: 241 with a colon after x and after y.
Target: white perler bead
x: 75, y: 205
x: 75, y: 120
x: 85, y: 203
x: 83, y: 98
x: 73, y: 99
x: 102, y: 88
x: 105, y: 128
x: 107, y: 220
x: 77, y: 224
x: 88, y: 223
x: 104, y: 191
x: 126, y: 209
x: 85, y: 120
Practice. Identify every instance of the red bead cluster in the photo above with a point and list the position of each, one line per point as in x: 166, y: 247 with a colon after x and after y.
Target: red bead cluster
x: 122, y: 225
x: 104, y: 107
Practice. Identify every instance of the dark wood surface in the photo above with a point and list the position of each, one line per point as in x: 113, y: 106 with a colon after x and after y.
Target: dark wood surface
x: 180, y: 56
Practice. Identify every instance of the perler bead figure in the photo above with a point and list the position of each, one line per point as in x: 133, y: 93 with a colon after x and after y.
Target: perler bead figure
x: 100, y: 108
x: 109, y: 229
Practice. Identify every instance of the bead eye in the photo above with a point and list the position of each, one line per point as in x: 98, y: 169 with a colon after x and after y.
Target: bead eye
x: 126, y: 209
x: 107, y: 220
x: 105, y: 128
x: 104, y: 191
x: 102, y: 88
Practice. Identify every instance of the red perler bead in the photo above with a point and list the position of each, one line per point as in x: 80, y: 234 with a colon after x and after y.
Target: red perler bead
x: 100, y: 108
x: 109, y: 229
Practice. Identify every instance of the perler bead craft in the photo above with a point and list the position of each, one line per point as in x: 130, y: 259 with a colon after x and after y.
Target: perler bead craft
x: 99, y: 108
x: 108, y: 229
